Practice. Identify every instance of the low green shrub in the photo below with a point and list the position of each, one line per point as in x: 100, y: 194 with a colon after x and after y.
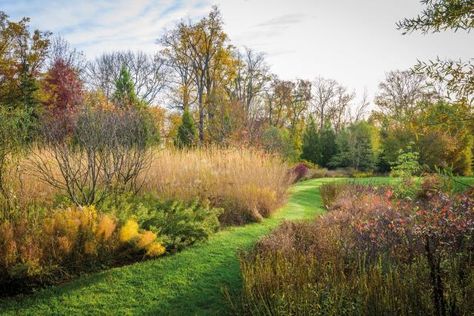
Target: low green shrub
x: 178, y: 224
x: 407, y: 188
x: 182, y: 224
x: 407, y: 164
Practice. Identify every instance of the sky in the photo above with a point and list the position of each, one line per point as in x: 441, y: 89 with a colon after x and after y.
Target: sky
x: 352, y: 41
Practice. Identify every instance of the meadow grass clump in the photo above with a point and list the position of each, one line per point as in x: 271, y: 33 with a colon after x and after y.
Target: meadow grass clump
x: 329, y: 192
x: 248, y: 184
x: 371, y: 254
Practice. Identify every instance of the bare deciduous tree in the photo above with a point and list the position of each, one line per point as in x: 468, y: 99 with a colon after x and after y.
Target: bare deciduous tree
x: 249, y: 86
x: 149, y: 73
x: 324, y: 92
x: 60, y: 49
x: 340, y: 111
x: 401, y: 91
x: 331, y: 102
x: 361, y: 110
x: 176, y: 54
x: 252, y: 76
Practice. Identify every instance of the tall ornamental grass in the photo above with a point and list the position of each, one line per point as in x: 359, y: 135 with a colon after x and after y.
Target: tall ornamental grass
x: 248, y: 184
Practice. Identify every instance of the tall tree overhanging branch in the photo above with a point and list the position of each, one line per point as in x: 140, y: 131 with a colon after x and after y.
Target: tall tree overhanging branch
x: 441, y: 15
x: 444, y: 15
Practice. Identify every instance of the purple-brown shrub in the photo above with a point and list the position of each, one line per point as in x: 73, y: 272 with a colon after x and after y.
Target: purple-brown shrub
x: 371, y: 254
x: 300, y: 171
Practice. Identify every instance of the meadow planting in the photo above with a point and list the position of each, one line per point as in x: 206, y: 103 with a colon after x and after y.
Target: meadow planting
x: 371, y: 254
x: 58, y: 221
x: 248, y: 184
x: 178, y: 178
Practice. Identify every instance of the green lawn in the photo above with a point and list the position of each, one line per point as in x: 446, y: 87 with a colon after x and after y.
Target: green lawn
x: 189, y: 282
x: 459, y: 184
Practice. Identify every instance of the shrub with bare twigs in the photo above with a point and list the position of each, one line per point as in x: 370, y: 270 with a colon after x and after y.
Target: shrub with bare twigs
x: 106, y: 151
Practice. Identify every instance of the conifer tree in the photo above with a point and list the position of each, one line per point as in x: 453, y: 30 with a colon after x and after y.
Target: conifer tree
x: 186, y: 136
x: 124, y: 95
x: 29, y: 103
x: 328, y: 145
x: 311, y: 150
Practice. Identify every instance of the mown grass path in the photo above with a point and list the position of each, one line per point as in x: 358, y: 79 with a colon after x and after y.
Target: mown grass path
x: 188, y: 283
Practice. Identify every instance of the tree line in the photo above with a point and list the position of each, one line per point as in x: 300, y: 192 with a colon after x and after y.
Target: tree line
x: 199, y: 89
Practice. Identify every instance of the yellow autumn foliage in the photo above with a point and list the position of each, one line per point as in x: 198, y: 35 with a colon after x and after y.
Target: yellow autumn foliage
x: 155, y: 249
x: 129, y: 231
x: 145, y: 239
x: 105, y: 228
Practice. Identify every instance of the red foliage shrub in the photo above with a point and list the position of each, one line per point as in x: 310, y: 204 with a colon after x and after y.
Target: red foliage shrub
x: 63, y: 94
x: 300, y: 171
x: 63, y: 87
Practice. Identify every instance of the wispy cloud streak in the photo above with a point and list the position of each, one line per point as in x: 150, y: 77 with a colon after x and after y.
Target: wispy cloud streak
x: 97, y: 26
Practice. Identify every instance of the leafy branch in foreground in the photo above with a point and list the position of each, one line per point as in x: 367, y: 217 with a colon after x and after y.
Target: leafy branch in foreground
x: 456, y: 75
x: 441, y: 15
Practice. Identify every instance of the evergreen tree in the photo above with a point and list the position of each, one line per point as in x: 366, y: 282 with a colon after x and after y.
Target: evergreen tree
x: 124, y: 95
x: 278, y: 140
x: 186, y: 136
x: 29, y: 103
x: 354, y: 148
x: 327, y: 145
x: 342, y: 158
x: 311, y: 149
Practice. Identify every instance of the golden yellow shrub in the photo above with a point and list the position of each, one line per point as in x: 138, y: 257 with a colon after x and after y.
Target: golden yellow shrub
x: 145, y: 239
x: 105, y: 228
x: 64, y: 244
x: 129, y: 231
x: 155, y: 249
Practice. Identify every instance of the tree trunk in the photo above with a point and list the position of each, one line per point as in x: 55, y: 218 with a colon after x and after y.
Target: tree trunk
x: 201, y: 118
